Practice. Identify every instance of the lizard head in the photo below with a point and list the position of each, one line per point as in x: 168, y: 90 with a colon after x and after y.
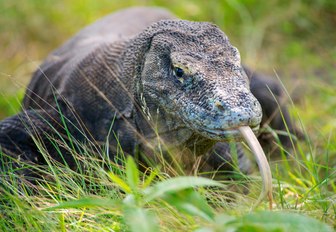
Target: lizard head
x: 193, y: 72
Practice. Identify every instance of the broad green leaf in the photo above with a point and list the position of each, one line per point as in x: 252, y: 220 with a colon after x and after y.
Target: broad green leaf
x: 219, y: 225
x: 120, y: 182
x: 278, y: 221
x: 129, y: 200
x: 191, y: 202
x: 149, y: 179
x: 139, y: 219
x: 132, y: 173
x: 88, y: 203
x: 204, y: 229
x: 177, y: 184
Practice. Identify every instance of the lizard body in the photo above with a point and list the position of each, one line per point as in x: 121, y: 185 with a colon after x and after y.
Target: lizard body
x: 130, y: 78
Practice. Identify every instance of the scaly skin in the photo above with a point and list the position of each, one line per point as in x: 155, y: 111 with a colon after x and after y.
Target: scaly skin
x: 211, y: 93
x: 147, y: 74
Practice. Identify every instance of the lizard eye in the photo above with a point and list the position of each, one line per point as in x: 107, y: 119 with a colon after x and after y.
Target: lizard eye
x: 178, y: 72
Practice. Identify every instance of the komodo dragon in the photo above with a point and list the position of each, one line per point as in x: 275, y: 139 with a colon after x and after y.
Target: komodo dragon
x: 130, y: 78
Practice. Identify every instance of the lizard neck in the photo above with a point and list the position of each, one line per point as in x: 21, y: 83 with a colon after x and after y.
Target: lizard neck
x: 158, y: 127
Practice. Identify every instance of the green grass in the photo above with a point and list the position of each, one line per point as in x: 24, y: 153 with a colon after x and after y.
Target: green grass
x: 121, y: 198
x: 293, y: 39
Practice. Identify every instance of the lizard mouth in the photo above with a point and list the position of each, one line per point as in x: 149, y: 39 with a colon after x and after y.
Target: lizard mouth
x: 227, y: 134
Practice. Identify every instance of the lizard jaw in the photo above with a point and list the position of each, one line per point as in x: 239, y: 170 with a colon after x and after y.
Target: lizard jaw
x: 227, y: 134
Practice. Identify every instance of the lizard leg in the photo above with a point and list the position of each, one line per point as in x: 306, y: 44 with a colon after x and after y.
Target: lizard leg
x: 29, y: 137
x: 275, y: 111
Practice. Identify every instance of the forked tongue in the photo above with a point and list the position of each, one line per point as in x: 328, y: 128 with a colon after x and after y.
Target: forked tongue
x: 262, y: 162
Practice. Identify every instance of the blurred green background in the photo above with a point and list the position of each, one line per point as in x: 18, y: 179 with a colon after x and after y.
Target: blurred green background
x: 294, y: 40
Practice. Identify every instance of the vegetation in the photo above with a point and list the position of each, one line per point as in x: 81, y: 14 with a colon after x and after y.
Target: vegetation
x: 290, y: 40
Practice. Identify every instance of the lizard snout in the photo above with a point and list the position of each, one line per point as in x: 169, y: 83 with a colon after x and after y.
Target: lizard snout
x: 246, y: 113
